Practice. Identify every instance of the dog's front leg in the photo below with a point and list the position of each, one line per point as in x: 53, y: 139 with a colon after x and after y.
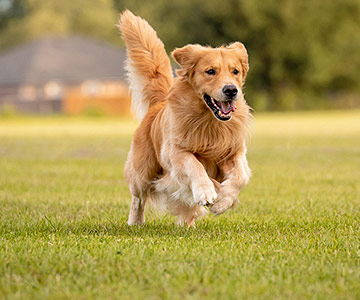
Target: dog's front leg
x: 186, y: 169
x: 236, y: 175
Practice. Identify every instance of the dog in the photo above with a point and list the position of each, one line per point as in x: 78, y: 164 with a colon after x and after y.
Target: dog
x: 189, y: 151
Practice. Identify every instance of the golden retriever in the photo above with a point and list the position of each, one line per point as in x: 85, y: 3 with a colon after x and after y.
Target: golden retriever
x: 189, y: 150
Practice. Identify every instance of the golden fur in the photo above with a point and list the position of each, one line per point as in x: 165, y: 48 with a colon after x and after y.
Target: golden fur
x: 183, y: 157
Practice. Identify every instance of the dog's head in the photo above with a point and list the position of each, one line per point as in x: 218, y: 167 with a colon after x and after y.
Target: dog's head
x: 216, y: 74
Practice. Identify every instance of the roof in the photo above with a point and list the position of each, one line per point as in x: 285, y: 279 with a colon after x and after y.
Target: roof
x: 67, y: 59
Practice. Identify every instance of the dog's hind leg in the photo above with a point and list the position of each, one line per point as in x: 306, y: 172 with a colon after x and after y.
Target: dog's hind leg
x: 141, y: 168
x: 137, y: 211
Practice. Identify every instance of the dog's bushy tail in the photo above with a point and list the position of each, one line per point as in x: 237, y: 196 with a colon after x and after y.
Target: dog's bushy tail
x: 148, y: 66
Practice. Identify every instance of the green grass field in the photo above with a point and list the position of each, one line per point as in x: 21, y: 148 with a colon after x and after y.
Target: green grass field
x: 64, y: 206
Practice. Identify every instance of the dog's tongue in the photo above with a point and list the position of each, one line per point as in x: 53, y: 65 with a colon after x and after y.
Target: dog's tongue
x: 227, y: 106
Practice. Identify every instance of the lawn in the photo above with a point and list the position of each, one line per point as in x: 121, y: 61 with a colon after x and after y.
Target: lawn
x: 64, y: 206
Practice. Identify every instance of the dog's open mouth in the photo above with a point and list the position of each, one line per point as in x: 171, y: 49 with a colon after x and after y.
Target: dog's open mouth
x: 221, y: 109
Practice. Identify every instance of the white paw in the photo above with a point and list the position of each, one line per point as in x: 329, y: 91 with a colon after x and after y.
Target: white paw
x: 222, y: 205
x: 204, y: 194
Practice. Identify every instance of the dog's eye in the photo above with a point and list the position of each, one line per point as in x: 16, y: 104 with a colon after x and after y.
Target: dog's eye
x: 210, y: 72
x: 236, y: 71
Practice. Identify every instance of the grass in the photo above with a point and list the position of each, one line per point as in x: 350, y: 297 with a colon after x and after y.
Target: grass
x: 64, y: 205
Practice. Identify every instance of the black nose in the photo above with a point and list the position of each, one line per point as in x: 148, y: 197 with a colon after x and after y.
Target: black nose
x: 230, y: 90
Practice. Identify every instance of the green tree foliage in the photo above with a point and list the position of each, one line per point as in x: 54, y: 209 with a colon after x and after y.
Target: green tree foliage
x: 54, y: 17
x: 300, y: 51
x: 10, y: 11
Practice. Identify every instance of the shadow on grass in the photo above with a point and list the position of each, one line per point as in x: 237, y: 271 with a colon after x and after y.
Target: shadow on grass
x: 220, y: 228
x: 159, y: 228
x: 207, y: 227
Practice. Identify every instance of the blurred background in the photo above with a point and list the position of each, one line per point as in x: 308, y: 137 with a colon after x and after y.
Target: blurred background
x: 67, y: 56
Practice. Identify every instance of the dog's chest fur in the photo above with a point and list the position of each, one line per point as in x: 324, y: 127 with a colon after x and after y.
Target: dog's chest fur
x: 210, y: 139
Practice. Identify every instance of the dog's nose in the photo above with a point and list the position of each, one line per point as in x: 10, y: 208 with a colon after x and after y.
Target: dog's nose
x: 230, y: 90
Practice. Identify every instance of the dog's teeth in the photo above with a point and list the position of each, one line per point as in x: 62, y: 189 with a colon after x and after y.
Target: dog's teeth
x: 213, y: 102
x: 219, y: 111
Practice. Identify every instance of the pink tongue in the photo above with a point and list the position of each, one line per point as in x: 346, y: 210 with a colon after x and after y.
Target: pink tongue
x: 227, y: 106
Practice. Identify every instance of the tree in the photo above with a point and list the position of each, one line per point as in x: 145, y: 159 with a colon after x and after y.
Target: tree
x: 52, y: 17
x: 299, y: 50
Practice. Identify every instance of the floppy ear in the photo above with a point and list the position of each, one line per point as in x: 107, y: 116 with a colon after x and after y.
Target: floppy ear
x: 187, y: 58
x: 242, y: 53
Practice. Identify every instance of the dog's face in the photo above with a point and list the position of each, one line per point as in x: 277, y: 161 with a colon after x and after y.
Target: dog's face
x: 216, y: 74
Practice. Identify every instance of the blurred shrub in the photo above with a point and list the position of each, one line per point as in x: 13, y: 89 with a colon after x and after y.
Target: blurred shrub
x: 94, y: 112
x: 8, y: 111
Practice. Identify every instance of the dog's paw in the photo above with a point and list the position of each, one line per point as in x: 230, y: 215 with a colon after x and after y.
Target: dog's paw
x: 204, y: 194
x: 222, y: 204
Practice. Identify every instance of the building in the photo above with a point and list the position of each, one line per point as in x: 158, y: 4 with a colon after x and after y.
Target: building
x: 64, y: 74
